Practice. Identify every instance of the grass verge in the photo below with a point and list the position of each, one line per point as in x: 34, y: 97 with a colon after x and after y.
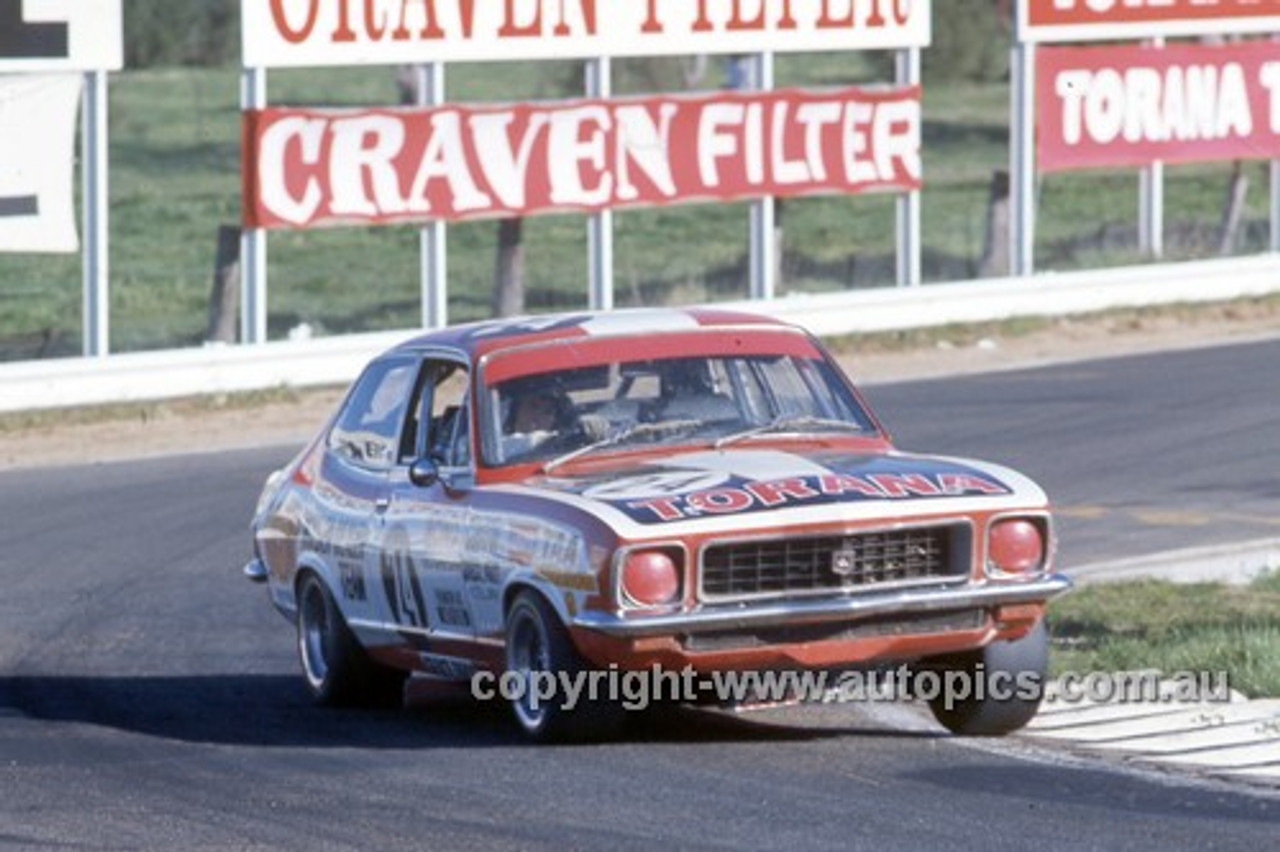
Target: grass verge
x: 1155, y: 624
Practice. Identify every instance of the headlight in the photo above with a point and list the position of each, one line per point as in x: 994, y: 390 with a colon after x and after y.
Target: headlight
x: 650, y: 578
x: 1015, y: 546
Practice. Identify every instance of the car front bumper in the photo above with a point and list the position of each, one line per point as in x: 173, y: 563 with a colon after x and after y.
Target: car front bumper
x: 847, y: 608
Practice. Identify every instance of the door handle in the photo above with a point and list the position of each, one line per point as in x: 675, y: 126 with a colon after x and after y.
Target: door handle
x: 381, y: 504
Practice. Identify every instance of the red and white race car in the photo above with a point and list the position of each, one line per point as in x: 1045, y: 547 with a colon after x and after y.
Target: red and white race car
x: 694, y: 490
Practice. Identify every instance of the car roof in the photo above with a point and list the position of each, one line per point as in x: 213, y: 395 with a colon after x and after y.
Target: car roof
x: 481, y: 338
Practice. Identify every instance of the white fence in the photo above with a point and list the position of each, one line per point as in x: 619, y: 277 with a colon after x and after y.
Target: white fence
x: 224, y: 369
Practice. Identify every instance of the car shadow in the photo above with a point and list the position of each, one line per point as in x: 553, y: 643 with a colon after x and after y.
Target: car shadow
x: 266, y: 710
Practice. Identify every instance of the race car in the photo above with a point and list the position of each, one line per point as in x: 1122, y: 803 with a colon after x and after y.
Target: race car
x: 692, y: 490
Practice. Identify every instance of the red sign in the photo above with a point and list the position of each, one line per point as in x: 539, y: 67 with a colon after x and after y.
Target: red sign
x: 1131, y: 106
x: 308, y: 167
x: 1076, y: 20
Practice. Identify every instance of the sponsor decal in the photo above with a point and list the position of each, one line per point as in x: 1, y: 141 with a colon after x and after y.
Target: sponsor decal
x: 401, y: 581
x: 1115, y: 106
x: 280, y: 33
x: 311, y: 167
x: 673, y: 496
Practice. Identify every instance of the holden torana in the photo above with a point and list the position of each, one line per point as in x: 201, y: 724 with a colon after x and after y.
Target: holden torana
x: 687, y: 489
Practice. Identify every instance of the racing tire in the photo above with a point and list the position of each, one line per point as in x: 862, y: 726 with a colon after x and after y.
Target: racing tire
x: 1011, y: 676
x: 537, y: 642
x: 337, y: 670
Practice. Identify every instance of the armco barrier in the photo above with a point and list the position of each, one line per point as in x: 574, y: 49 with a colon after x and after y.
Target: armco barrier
x: 184, y: 372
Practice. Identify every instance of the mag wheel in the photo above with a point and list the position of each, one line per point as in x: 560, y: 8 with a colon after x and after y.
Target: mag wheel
x: 539, y: 649
x: 337, y: 670
x: 1004, y: 685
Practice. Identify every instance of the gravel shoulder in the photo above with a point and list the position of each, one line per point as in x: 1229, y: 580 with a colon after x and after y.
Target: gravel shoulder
x: 290, y: 417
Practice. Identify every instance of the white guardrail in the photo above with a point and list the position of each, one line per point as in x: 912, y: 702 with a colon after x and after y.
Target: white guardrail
x: 139, y: 376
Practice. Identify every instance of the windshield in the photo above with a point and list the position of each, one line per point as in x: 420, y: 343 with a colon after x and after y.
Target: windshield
x: 554, y: 417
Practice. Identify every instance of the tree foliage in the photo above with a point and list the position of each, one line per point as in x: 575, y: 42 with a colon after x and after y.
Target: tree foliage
x: 970, y: 41
x: 181, y: 32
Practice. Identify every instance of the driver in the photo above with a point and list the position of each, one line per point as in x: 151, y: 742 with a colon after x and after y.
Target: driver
x: 536, y: 413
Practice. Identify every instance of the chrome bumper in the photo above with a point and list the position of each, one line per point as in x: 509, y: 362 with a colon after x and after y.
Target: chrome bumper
x: 850, y: 608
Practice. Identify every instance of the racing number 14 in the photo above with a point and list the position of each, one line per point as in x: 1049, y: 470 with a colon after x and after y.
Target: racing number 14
x: 404, y: 592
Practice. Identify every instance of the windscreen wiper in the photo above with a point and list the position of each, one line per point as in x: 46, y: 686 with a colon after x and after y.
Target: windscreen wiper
x: 786, y: 423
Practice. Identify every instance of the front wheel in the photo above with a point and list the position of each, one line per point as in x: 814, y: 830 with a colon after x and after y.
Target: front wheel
x: 1002, y: 687
x: 336, y: 668
x: 540, y: 651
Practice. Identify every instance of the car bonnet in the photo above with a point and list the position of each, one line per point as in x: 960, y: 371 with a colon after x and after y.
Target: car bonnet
x: 736, y: 489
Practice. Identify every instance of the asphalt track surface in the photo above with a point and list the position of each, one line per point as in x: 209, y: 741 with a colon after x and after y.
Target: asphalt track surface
x: 149, y: 697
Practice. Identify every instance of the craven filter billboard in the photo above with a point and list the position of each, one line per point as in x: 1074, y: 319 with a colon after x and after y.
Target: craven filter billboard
x: 297, y: 33
x: 37, y: 160
x: 60, y: 35
x: 1084, y: 20
x: 1131, y: 106
x: 309, y: 167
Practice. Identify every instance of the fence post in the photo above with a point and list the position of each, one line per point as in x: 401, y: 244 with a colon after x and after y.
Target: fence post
x: 226, y: 291
x: 995, y: 246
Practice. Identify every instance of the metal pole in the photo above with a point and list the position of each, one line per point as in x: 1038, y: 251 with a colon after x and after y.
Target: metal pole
x: 432, y: 239
x: 599, y: 80
x: 762, y: 253
x: 93, y: 140
x: 1151, y: 202
x: 1022, y: 168
x: 1151, y: 210
x: 907, y: 73
x: 253, y: 242
x: 1275, y: 205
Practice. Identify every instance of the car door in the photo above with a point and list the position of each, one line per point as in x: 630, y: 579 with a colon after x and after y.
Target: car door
x: 428, y: 528
x: 362, y: 453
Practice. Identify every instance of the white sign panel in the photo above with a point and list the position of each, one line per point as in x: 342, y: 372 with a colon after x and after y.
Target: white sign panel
x: 300, y: 33
x: 37, y: 157
x: 61, y: 35
x: 1091, y: 20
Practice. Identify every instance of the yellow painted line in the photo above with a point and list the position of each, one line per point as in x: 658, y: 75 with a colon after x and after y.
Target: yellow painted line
x: 1085, y: 512
x: 1264, y: 520
x: 1172, y: 517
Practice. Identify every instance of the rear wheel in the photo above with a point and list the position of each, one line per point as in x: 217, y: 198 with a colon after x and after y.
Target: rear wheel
x: 1002, y: 690
x: 540, y: 651
x: 336, y: 668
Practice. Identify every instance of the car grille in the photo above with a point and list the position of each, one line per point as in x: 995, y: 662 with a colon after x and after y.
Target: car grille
x: 834, y: 563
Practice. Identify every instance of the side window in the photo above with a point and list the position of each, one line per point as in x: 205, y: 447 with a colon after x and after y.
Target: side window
x: 367, y: 431
x: 448, y: 436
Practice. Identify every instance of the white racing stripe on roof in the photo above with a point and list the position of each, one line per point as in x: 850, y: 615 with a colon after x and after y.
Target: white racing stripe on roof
x: 639, y: 321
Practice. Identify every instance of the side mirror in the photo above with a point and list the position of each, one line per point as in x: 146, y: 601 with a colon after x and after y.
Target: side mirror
x: 424, y: 472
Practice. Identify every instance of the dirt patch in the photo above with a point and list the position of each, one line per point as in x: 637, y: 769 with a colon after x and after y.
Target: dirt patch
x: 291, y: 417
